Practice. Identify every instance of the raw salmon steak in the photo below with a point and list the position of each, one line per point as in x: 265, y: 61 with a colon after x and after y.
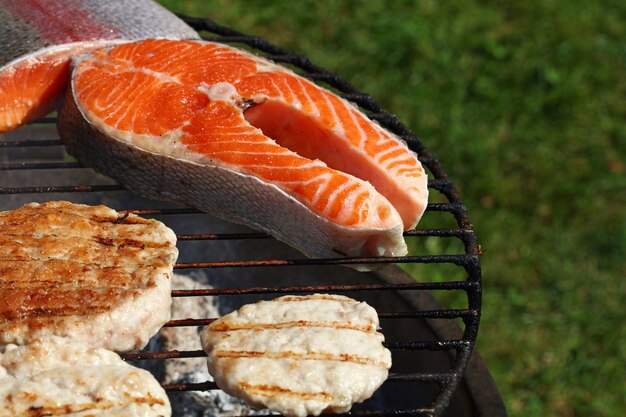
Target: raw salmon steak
x: 38, y: 37
x: 247, y: 140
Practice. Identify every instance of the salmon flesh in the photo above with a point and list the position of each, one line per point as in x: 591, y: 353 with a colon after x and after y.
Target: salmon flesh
x: 247, y: 140
x: 38, y: 38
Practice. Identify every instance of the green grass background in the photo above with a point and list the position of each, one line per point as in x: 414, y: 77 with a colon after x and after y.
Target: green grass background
x: 524, y: 104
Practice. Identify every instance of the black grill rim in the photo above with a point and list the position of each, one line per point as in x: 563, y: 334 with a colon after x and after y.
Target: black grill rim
x: 469, y: 261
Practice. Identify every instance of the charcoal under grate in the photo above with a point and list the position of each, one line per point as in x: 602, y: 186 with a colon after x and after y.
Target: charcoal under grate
x: 430, y: 351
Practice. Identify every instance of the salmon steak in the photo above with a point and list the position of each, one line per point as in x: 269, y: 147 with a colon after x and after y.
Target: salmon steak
x: 246, y: 140
x: 38, y: 38
x: 85, y: 273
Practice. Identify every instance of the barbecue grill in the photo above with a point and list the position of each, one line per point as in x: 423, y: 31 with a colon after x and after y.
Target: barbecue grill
x: 434, y: 371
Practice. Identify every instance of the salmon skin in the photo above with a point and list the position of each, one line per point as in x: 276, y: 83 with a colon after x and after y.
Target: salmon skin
x: 247, y: 140
x: 38, y: 37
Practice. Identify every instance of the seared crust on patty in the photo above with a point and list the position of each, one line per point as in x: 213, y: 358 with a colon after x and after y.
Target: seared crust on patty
x: 86, y: 272
x: 299, y: 355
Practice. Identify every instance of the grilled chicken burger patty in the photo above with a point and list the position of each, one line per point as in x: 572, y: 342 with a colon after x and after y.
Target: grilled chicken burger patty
x: 299, y: 355
x: 83, y: 272
x: 62, y: 377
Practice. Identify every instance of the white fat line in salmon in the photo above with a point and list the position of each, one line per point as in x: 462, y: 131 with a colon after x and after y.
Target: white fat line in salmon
x: 132, y: 68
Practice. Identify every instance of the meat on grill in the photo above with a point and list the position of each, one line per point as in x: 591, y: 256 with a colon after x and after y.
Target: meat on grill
x: 246, y: 140
x: 298, y: 355
x: 84, y: 272
x: 38, y: 38
x: 62, y: 377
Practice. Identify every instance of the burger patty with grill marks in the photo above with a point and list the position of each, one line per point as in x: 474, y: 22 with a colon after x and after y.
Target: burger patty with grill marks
x: 299, y: 355
x: 61, y: 377
x: 83, y: 272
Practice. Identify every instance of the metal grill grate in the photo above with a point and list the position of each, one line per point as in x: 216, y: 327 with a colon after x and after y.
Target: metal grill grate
x: 32, y: 156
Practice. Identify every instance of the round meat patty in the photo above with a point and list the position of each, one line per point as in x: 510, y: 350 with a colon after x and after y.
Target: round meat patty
x: 299, y: 355
x: 83, y: 272
x: 62, y: 377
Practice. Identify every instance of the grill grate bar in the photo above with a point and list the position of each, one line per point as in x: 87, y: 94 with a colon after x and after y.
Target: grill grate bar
x: 30, y: 142
x: 85, y: 188
x: 189, y: 322
x: 41, y: 165
x: 62, y: 189
x: 452, y: 207
x: 438, y: 207
x: 460, y: 233
x: 417, y: 412
x: 364, y: 101
x: 198, y: 386
x: 450, y: 285
x: 173, y: 211
x: 164, y: 211
x: 459, y: 259
x: 168, y: 354
x: 430, y: 345
x: 52, y: 165
x: 412, y: 345
x: 440, y: 184
x: 223, y: 236
x: 438, y: 378
x: 432, y: 314
x: 47, y: 120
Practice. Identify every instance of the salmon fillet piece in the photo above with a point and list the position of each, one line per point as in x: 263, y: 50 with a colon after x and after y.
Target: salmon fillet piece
x: 247, y: 140
x: 39, y: 37
x: 84, y: 272
x: 299, y: 355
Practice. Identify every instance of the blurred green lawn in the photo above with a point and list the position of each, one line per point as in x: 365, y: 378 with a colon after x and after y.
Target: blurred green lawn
x: 524, y: 103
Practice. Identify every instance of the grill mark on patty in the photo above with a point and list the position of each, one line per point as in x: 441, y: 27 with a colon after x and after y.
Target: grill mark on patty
x: 86, y: 213
x: 27, y: 241
x: 26, y: 215
x: 99, y: 405
x: 119, y: 261
x: 51, y: 284
x: 326, y: 297
x: 314, y: 356
x: 28, y: 219
x: 104, y: 241
x: 124, y: 219
x: 56, y: 274
x: 48, y: 313
x: 60, y: 303
x: 6, y: 264
x: 224, y: 326
x: 270, y: 390
x: 99, y: 259
x: 121, y: 219
x: 124, y: 242
x: 26, y: 272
